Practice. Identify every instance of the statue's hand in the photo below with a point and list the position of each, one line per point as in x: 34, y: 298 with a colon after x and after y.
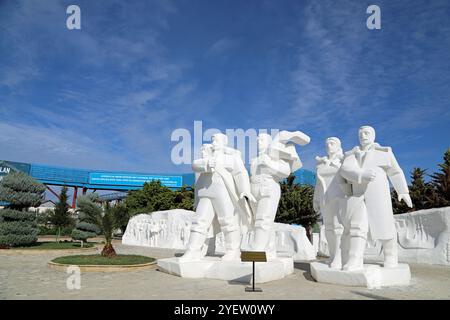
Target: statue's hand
x: 369, y: 175
x: 247, y: 195
x: 406, y: 198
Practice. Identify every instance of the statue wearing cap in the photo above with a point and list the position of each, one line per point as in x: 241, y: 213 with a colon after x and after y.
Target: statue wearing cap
x: 223, y: 192
x: 368, y: 168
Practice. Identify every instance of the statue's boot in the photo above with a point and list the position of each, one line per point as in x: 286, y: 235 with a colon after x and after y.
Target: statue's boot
x: 356, y: 254
x: 260, y: 240
x: 390, y: 253
x: 194, y: 251
x: 232, y: 245
x: 264, y: 241
x: 336, y: 263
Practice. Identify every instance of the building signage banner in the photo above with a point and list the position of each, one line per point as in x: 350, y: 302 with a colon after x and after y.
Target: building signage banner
x: 135, y: 180
x: 6, y: 167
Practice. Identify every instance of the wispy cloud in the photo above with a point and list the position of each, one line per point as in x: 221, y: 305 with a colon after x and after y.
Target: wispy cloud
x: 221, y: 47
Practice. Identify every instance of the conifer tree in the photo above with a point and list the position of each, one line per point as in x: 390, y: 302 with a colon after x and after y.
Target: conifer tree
x: 60, y: 217
x: 441, y: 183
x: 296, y: 205
x: 18, y: 226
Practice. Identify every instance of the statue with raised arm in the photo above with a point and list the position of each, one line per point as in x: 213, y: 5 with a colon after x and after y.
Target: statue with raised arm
x: 223, y: 191
x: 329, y: 197
x: 276, y: 159
x: 368, y: 168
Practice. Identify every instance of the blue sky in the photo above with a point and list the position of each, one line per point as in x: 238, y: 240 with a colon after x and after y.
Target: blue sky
x: 108, y: 96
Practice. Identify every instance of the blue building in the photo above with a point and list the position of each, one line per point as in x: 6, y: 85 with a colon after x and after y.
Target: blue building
x: 121, y: 181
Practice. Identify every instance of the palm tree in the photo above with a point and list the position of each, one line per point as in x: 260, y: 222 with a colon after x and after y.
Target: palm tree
x: 94, y: 220
x: 107, y: 227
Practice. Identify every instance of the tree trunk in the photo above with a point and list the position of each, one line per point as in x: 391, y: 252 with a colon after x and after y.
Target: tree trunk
x: 108, y: 250
x: 58, y: 234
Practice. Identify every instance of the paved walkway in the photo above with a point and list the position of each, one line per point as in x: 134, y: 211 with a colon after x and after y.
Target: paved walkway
x: 28, y: 277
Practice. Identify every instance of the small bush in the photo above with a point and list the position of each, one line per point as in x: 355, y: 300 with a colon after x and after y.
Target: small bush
x: 88, y: 227
x: 78, y: 234
x: 17, y: 228
x: 17, y: 240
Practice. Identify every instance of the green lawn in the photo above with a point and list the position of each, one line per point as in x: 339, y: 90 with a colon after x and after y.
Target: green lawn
x: 97, y: 259
x: 55, y: 245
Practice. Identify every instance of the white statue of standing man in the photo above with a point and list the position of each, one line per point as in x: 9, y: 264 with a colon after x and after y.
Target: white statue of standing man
x: 223, y: 189
x: 329, y: 197
x: 367, y: 168
x: 265, y: 174
x: 276, y: 159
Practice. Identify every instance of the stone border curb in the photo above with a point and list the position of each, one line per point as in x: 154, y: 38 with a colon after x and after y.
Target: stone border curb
x: 104, y: 268
x: 38, y: 251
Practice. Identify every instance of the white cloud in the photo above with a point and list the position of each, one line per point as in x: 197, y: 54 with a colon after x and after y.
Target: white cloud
x: 221, y: 47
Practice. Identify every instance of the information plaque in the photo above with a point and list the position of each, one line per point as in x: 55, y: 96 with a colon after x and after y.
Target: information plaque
x: 253, y: 256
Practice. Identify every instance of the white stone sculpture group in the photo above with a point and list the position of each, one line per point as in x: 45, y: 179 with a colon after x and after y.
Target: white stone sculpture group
x: 352, y: 194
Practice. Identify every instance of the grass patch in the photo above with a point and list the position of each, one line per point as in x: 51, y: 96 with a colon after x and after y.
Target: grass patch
x: 57, y: 246
x: 97, y: 259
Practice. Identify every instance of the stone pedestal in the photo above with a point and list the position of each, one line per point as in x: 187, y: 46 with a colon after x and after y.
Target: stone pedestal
x: 372, y: 276
x: 214, y: 268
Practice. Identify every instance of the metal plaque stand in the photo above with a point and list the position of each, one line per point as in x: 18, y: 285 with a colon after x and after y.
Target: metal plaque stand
x: 253, y: 256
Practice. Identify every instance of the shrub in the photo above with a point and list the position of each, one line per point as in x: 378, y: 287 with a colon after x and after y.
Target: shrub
x: 18, y: 240
x: 21, y: 191
x: 89, y: 213
x: 17, y: 226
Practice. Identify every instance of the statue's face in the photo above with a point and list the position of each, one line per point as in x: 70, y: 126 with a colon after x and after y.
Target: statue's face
x: 332, y: 146
x: 218, y: 141
x: 366, y: 136
x: 263, y: 142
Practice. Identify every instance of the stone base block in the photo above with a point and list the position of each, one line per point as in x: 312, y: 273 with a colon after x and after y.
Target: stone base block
x: 214, y: 268
x: 372, y: 276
